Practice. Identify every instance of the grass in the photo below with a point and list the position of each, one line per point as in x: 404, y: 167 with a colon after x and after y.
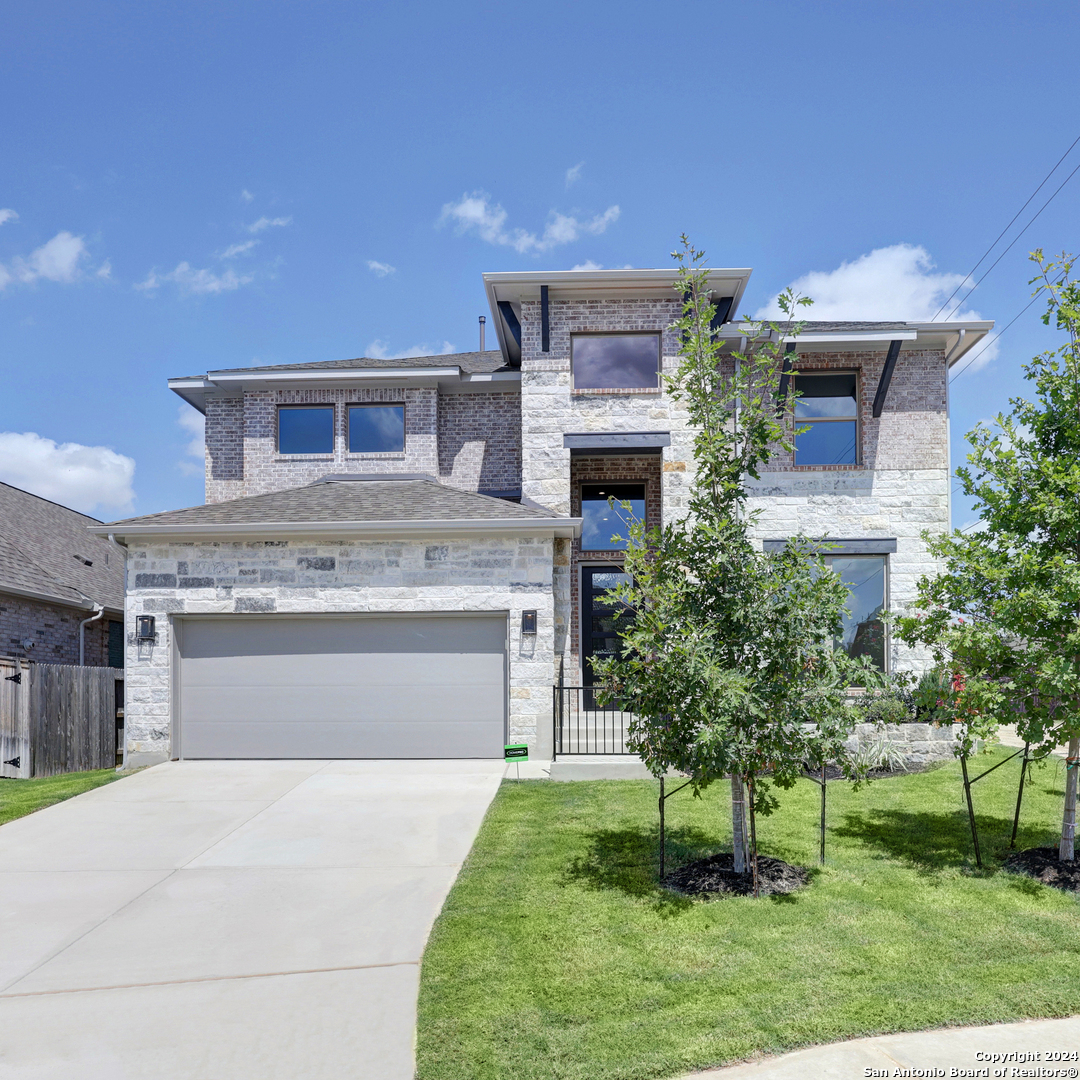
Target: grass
x: 557, y: 955
x: 21, y: 797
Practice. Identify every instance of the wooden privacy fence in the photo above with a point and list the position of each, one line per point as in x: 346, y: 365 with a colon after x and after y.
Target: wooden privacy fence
x: 57, y: 718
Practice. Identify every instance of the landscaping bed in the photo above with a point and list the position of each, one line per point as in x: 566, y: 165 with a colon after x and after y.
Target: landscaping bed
x: 716, y: 876
x: 1043, y: 865
x: 558, y: 953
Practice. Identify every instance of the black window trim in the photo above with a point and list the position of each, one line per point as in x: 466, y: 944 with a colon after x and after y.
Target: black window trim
x: 582, y: 484
x: 886, y: 585
x: 402, y: 405
x: 658, y: 334
x: 306, y: 405
x: 804, y: 421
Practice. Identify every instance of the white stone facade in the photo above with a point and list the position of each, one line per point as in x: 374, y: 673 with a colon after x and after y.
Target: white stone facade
x: 482, y: 573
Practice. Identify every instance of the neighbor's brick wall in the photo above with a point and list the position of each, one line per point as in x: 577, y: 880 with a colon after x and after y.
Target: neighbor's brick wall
x: 480, y: 441
x: 54, y: 629
x: 489, y: 573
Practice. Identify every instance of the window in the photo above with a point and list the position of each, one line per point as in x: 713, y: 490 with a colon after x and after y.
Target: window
x: 376, y: 429
x: 306, y: 429
x: 615, y: 361
x: 827, y: 406
x: 601, y: 520
x: 864, y: 630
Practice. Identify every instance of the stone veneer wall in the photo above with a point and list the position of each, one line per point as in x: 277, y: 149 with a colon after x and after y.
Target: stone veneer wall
x: 480, y: 441
x: 54, y: 629
x: 485, y: 573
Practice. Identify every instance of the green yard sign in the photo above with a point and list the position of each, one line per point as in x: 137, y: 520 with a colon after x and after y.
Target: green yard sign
x: 516, y: 752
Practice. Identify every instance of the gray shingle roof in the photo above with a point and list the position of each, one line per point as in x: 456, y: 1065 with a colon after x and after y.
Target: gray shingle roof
x: 471, y: 363
x: 359, y: 501
x: 42, y: 548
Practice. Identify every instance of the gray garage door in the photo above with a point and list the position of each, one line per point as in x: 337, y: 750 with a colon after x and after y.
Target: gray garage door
x: 396, y: 687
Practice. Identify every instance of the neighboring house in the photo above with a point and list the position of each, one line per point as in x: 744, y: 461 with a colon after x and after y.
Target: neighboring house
x: 401, y: 558
x: 54, y: 575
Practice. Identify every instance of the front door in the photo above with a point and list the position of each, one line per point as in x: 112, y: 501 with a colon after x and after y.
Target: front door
x: 600, y: 628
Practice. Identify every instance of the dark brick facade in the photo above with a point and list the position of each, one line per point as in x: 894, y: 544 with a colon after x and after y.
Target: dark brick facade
x: 54, y: 629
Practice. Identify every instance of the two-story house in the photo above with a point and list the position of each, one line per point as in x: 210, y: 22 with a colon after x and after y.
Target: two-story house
x: 402, y: 558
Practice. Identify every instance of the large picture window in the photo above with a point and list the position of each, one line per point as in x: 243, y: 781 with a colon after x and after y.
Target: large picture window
x: 615, y: 361
x: 603, y: 520
x: 376, y: 429
x: 306, y: 429
x: 828, y: 407
x: 864, y: 629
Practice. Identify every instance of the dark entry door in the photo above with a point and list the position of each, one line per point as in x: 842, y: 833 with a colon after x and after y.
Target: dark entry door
x: 600, y: 630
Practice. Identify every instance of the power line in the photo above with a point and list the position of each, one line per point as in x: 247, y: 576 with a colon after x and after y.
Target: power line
x: 1007, y: 228
x: 1017, y: 237
x: 971, y: 359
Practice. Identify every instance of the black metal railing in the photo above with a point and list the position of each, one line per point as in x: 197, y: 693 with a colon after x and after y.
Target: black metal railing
x: 584, y: 726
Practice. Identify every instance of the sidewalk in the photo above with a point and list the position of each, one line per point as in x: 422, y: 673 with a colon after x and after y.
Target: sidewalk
x: 968, y: 1050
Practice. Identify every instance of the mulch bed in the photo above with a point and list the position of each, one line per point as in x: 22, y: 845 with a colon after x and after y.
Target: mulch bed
x: 834, y: 772
x: 715, y: 876
x: 1041, y: 863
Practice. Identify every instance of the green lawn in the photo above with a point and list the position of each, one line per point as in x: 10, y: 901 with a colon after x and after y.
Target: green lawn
x: 557, y: 956
x: 21, y: 797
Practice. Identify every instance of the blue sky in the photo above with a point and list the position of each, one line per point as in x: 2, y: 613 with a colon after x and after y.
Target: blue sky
x: 198, y: 186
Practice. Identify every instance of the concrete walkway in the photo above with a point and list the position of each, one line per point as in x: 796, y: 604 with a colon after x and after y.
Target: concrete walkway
x: 945, y: 1049
x: 230, y: 919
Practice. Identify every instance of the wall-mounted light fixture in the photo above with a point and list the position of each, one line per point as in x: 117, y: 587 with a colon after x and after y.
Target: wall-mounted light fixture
x: 144, y: 628
x: 528, y: 622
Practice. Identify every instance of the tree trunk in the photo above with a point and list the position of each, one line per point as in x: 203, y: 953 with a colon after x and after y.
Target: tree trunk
x: 1067, y: 848
x: 739, y: 836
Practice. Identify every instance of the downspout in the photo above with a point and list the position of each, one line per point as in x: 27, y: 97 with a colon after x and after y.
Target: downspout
x: 99, y: 610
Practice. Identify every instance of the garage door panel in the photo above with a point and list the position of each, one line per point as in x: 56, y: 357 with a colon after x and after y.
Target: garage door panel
x: 387, y: 686
x: 351, y: 740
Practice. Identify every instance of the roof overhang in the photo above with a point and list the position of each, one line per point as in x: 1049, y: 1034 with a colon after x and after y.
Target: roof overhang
x: 563, y: 527
x: 196, y: 390
x: 83, y: 604
x: 953, y: 338
x: 514, y: 288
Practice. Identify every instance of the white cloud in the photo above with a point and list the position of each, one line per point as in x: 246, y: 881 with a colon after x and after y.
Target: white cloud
x: 573, y: 174
x: 104, y: 270
x: 898, y: 282
x: 238, y: 249
x: 380, y: 350
x: 588, y: 264
x: 267, y: 223
x: 56, y: 260
x: 476, y: 213
x: 8, y: 215
x: 380, y: 269
x: 197, y: 282
x: 194, y: 426
x: 84, y: 478
x: 246, y: 195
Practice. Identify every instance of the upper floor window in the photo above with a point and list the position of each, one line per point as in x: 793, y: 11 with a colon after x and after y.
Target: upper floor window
x: 828, y: 408
x: 306, y: 429
x: 376, y: 429
x: 615, y: 361
x: 604, y: 516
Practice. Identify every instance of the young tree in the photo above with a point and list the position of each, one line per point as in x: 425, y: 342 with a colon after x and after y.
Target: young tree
x: 728, y: 661
x: 1005, y: 613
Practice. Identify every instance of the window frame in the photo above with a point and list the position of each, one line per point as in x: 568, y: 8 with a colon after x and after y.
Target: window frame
x: 827, y: 558
x: 654, y: 389
x: 807, y: 421
x: 349, y: 406
x: 281, y: 407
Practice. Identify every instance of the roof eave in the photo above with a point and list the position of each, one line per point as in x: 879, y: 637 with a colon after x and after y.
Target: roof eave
x: 568, y: 528
x: 60, y: 601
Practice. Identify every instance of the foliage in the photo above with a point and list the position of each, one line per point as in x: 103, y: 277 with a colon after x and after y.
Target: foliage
x: 1004, y: 617
x: 882, y: 753
x: 729, y: 661
x: 892, y: 703
x: 559, y: 954
x: 21, y: 797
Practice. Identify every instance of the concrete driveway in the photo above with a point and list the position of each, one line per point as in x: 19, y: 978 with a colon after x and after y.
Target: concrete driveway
x: 207, y: 920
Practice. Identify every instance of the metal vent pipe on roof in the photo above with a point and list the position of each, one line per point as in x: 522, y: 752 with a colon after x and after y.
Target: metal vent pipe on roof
x: 483, y: 320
